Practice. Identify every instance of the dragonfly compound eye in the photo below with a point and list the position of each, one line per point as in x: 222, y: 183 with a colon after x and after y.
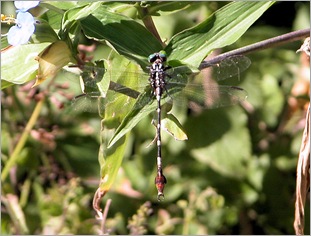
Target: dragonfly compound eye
x: 159, y: 55
x: 162, y: 55
x: 152, y: 57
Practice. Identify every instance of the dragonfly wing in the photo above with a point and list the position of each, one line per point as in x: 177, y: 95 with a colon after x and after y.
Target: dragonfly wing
x: 232, y: 66
x: 117, y: 88
x: 85, y: 103
x: 124, y: 85
x: 207, y: 96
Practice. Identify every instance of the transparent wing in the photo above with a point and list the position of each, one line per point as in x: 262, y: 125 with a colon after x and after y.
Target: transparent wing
x: 126, y: 85
x: 207, y: 94
x: 229, y: 67
x: 108, y: 87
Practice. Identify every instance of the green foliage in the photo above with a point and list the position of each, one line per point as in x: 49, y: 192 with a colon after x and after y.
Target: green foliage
x: 220, y: 29
x: 18, y: 70
x: 234, y: 175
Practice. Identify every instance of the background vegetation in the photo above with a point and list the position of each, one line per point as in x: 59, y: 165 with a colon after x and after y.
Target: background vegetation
x: 234, y: 175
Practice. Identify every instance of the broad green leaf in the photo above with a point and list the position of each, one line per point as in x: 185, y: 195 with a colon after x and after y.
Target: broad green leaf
x: 121, y: 97
x: 117, y: 105
x: 18, y: 64
x: 127, y: 37
x: 110, y: 160
x: 222, y: 28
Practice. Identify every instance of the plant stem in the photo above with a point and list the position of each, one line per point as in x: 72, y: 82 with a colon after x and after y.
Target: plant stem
x: 105, y: 213
x: 268, y: 43
x: 148, y: 22
x: 15, y: 155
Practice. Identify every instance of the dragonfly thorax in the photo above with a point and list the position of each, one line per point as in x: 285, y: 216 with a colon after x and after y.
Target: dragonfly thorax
x: 157, y: 73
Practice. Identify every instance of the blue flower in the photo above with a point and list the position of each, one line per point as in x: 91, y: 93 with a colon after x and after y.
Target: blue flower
x: 23, y: 6
x: 21, y: 32
x: 24, y: 28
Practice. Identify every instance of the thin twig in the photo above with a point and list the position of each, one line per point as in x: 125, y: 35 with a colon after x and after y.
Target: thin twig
x: 105, y: 213
x: 268, y: 43
x: 148, y: 22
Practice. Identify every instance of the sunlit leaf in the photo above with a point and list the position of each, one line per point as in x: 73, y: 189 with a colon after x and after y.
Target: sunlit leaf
x: 172, y: 126
x: 137, y: 113
x: 110, y: 160
x: 18, y: 64
x: 128, y: 37
x: 51, y: 60
x: 222, y: 28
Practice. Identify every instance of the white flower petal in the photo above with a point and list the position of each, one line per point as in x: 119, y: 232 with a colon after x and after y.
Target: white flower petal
x: 16, y: 37
x: 20, y: 33
x: 24, y: 6
x: 25, y: 18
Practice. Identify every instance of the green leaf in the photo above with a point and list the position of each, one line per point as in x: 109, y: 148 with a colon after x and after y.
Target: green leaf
x: 222, y: 28
x: 122, y: 92
x: 53, y: 16
x: 18, y: 64
x: 93, y: 73
x: 172, y: 126
x: 44, y: 33
x: 65, y: 5
x: 110, y: 160
x: 167, y: 6
x: 78, y: 13
x: 141, y: 109
x: 127, y: 37
x: 4, y: 42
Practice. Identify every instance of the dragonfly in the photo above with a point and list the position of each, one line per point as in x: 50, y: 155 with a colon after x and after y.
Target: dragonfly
x: 168, y: 84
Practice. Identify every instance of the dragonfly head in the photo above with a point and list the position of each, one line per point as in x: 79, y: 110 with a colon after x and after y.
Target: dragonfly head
x: 157, y: 56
